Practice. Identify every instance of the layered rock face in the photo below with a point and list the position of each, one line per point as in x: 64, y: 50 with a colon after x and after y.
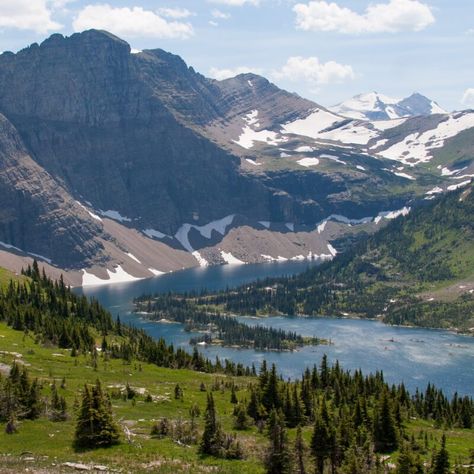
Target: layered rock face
x: 92, y: 115
x: 37, y: 215
x: 90, y: 132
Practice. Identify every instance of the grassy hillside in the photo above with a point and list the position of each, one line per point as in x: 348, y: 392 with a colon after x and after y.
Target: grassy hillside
x: 47, y: 445
x: 6, y: 276
x: 417, y: 270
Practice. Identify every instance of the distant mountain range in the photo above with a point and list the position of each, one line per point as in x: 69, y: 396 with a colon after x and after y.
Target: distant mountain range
x: 375, y: 106
x: 117, y: 166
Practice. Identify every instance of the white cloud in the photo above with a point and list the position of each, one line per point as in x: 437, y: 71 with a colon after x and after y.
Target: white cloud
x: 130, y: 22
x: 236, y: 3
x: 391, y: 17
x: 175, y: 13
x: 221, y: 74
x: 60, y: 4
x: 312, y: 71
x: 468, y: 97
x: 27, y: 15
x: 213, y: 23
x: 220, y: 15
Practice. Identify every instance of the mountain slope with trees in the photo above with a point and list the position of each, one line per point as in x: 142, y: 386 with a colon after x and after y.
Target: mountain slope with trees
x: 418, y: 270
x: 158, y: 408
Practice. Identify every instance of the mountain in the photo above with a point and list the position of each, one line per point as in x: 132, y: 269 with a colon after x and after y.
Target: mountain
x: 375, y: 106
x: 117, y: 166
x: 418, y: 270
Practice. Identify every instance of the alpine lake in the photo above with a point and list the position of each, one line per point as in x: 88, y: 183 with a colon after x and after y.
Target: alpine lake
x: 414, y: 356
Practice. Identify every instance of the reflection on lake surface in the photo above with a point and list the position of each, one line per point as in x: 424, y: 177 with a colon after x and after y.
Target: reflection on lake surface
x: 415, y: 356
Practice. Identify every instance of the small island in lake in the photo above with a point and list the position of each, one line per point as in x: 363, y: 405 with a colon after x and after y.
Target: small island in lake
x: 218, y: 329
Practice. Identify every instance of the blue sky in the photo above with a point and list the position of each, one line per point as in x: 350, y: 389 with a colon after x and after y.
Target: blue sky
x: 327, y: 51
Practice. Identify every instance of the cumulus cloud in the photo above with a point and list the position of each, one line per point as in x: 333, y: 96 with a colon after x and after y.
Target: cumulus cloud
x: 236, y: 3
x: 221, y: 74
x: 314, y: 72
x: 32, y: 15
x: 130, y: 22
x: 220, y: 15
x: 391, y: 17
x: 175, y: 13
x: 468, y: 97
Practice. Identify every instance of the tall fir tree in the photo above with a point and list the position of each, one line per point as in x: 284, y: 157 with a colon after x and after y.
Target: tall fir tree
x: 278, y: 460
x: 95, y: 426
x: 385, y: 432
x: 441, y: 459
x: 322, y: 440
x: 212, y: 437
x: 300, y: 449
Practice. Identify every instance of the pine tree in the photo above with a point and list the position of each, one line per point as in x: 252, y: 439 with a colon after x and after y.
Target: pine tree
x: 278, y: 457
x: 270, y: 393
x: 299, y: 452
x: 441, y: 459
x: 58, y: 405
x: 385, y: 432
x: 254, y: 408
x: 212, y: 437
x: 408, y: 463
x: 241, y: 420
x: 322, y: 441
x: 233, y: 396
x: 95, y: 426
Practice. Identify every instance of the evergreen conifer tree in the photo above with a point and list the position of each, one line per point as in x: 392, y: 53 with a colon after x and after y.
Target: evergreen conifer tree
x: 95, y: 426
x: 278, y: 459
x: 212, y: 438
x: 441, y: 459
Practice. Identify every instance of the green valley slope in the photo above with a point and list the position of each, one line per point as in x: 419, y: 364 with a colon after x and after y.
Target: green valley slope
x: 418, y: 270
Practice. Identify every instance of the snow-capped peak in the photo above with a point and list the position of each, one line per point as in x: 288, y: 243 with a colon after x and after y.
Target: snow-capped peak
x: 375, y: 106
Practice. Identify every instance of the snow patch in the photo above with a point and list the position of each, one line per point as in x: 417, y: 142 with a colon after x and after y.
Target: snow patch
x: 202, y: 261
x: 333, y: 158
x: 447, y: 172
x: 312, y: 125
x: 304, y: 149
x: 12, y: 247
x: 322, y: 226
x: 230, y: 259
x: 119, y: 275
x: 453, y: 187
x: 404, y: 211
x: 435, y: 190
x: 265, y: 224
x: 133, y: 257
x: 354, y: 132
x: 308, y: 162
x: 404, y: 175
x: 41, y: 257
x: 251, y: 118
x: 219, y: 226
x: 276, y: 259
x: 115, y: 215
x: 156, y: 272
x: 249, y: 136
x: 416, y: 148
x: 290, y: 226
x: 94, y: 216
x: 153, y: 233
x: 253, y: 162
x: 359, y: 167
x: 332, y: 250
